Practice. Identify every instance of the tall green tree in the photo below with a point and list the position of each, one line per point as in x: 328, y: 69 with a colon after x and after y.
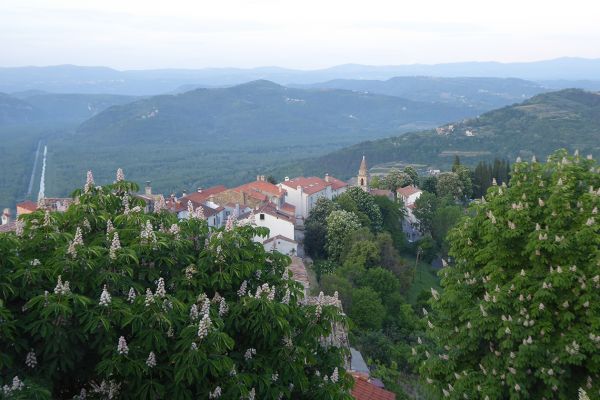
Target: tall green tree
x: 340, y: 225
x: 412, y: 173
x: 519, y: 313
x: 106, y: 301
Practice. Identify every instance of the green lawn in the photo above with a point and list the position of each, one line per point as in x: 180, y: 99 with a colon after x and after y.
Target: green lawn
x: 425, y: 278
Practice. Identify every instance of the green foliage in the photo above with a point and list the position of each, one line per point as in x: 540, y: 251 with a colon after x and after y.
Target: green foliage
x: 360, y: 202
x: 518, y: 315
x: 429, y: 184
x: 315, y: 239
x: 413, y: 174
x: 107, y: 298
x: 381, y: 280
x: 396, y: 179
x: 367, y: 311
x: 340, y: 225
x: 450, y: 184
x: 485, y: 173
x: 425, y: 208
x: 392, y: 214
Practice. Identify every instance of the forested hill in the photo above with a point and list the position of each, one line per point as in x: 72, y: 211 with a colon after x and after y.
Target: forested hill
x: 565, y: 119
x: 480, y: 94
x: 261, y: 110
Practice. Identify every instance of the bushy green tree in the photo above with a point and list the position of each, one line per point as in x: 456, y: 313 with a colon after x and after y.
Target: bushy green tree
x: 367, y: 311
x: 106, y: 301
x: 340, y: 225
x: 360, y: 202
x: 396, y: 179
x: 412, y: 173
x: 450, y: 184
x: 519, y: 315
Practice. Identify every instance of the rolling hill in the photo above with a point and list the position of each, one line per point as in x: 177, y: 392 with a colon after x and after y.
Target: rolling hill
x: 565, y: 119
x: 479, y: 94
x: 228, y: 135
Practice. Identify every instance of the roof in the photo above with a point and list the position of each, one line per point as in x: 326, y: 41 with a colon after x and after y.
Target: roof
x: 260, y: 187
x: 363, y: 170
x: 288, y: 208
x: 337, y: 183
x: 357, y: 362
x: 408, y: 190
x: 199, y: 197
x: 279, y: 237
x: 309, y: 185
x: 298, y: 269
x: 28, y: 205
x: 272, y: 210
x: 381, y: 192
x: 10, y: 227
x: 365, y: 390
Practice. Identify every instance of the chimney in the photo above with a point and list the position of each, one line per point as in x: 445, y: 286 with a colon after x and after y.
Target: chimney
x: 184, y: 193
x: 287, y: 178
x: 326, y: 177
x: 5, y: 217
x: 237, y: 209
x: 148, y: 189
x: 258, y: 177
x: 299, y: 188
x: 262, y: 178
x: 200, y: 189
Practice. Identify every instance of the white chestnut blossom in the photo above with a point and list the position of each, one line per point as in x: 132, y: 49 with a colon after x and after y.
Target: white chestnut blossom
x: 204, y: 326
x: 249, y: 353
x: 151, y: 360
x: 242, y: 290
x: 105, y: 298
x: 194, y: 312
x: 120, y: 175
x: 160, y: 288
x: 114, y: 247
x: 149, y: 297
x: 215, y: 394
x: 223, y: 307
x: 31, y: 359
x: 122, y: 348
x: 89, y: 182
x: 62, y: 288
x: 131, y: 296
x: 77, y: 241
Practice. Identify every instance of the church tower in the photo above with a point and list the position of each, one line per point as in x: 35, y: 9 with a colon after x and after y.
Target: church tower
x: 363, y: 175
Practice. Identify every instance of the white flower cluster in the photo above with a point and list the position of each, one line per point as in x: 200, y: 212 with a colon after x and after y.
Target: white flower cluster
x: 105, y: 298
x: 149, y: 298
x: 174, y: 230
x: 151, y: 360
x: 109, y: 228
x: 229, y: 225
x: 194, y: 312
x: 120, y: 175
x: 125, y: 203
x: 114, y: 246
x: 242, y: 290
x: 215, y: 394
x: 122, y: 348
x: 62, y: 288
x: 109, y: 390
x: 16, y: 386
x: 573, y: 348
x: 223, y: 307
x: 89, y: 182
x: 131, y: 296
x: 31, y: 359
x: 47, y: 221
x: 249, y: 353
x: 160, y: 288
x: 335, y: 375
x: 286, y: 297
x: 19, y: 226
x: 265, y: 289
x: 204, y: 326
x: 147, y: 235
x: 77, y: 241
x: 274, y: 377
x: 35, y: 262
x: 252, y: 394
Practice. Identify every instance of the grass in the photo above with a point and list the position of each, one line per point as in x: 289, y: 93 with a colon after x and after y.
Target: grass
x: 425, y: 278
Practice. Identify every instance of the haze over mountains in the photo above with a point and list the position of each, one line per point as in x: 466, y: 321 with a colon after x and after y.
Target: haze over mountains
x: 227, y: 134
x: 538, y: 126
x: 562, y: 72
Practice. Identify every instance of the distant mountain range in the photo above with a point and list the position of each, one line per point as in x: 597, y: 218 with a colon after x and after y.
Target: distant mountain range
x: 538, y: 126
x: 480, y: 94
x: 566, y: 72
x: 38, y: 106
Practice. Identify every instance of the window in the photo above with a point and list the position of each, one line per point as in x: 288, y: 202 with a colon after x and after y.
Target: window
x: 362, y: 182
x: 262, y: 217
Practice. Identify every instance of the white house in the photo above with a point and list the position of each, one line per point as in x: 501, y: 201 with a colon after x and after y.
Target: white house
x: 410, y: 224
x: 281, y: 244
x: 303, y: 193
x: 278, y: 222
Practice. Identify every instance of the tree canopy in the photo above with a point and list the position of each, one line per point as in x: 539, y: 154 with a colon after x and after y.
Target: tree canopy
x: 519, y: 313
x: 107, y: 301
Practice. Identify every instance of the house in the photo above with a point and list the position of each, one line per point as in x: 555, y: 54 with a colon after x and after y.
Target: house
x: 253, y: 194
x: 365, y: 389
x: 282, y: 244
x: 303, y: 193
x: 410, y: 223
x: 55, y: 204
x: 149, y: 198
x: 26, y: 207
x: 408, y: 194
x: 5, y: 218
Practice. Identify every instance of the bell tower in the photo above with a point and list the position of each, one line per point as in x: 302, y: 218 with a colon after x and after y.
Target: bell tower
x: 362, y: 179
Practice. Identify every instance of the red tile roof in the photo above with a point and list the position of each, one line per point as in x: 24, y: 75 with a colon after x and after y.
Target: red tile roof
x: 199, y: 197
x: 365, y: 390
x: 271, y: 209
x: 288, y: 208
x: 407, y: 191
x: 260, y: 187
x: 309, y: 185
x: 10, y: 227
x: 337, y: 183
x: 28, y: 205
x: 381, y: 192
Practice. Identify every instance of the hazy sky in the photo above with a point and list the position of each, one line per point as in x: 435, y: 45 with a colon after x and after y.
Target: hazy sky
x: 134, y: 34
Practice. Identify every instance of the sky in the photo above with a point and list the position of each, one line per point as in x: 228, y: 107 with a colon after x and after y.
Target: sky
x: 302, y: 34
